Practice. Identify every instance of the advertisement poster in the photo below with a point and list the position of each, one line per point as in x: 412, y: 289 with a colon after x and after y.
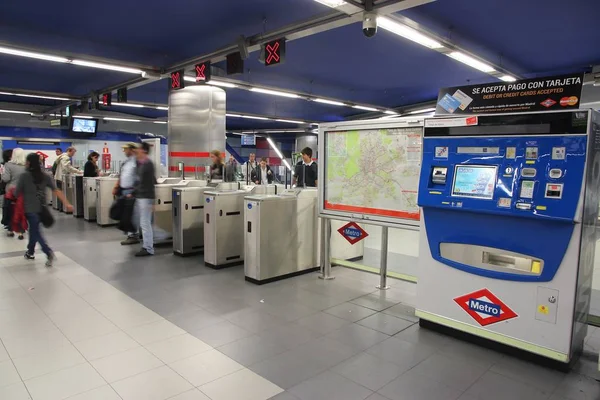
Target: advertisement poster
x: 540, y: 94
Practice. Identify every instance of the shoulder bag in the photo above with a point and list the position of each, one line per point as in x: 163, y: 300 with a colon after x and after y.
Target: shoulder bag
x: 45, y: 215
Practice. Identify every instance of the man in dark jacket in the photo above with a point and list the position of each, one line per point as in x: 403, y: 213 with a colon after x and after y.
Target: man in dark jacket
x: 262, y: 175
x: 144, y: 193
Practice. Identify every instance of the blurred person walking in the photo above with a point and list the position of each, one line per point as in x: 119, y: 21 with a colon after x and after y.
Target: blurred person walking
x: 13, y: 219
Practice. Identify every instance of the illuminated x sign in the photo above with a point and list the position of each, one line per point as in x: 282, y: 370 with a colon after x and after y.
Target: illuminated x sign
x: 107, y: 99
x: 203, y: 72
x: 275, y: 52
x: 177, y: 81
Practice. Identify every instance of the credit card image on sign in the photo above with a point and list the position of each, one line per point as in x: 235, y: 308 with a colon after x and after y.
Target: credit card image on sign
x: 449, y: 103
x: 475, y: 181
x: 463, y: 98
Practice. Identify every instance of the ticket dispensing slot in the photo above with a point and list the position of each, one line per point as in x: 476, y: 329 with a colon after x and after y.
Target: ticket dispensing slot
x: 488, y: 258
x: 438, y: 175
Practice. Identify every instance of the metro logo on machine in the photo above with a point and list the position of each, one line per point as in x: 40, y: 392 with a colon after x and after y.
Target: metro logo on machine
x: 353, y: 233
x: 485, y: 308
x: 548, y: 103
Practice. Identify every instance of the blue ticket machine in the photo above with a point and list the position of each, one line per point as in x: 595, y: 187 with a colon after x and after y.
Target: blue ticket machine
x: 509, y: 208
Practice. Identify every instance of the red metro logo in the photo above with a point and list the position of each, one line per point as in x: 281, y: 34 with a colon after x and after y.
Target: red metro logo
x: 484, y: 307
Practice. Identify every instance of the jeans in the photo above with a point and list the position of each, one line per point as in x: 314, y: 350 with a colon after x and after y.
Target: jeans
x: 35, y: 235
x: 143, y: 218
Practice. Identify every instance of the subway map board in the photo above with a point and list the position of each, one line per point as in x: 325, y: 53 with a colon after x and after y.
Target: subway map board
x: 373, y: 173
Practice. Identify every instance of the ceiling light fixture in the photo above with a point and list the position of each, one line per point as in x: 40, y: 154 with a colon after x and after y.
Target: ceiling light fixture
x: 471, y: 62
x: 162, y: 108
x: 507, y: 78
x: 121, y: 119
x: 331, y: 102
x: 390, y: 112
x: 365, y: 108
x: 30, y: 54
x: 233, y: 115
x: 35, y: 96
x: 278, y: 153
x: 110, y: 67
x: 274, y: 92
x: 408, y: 33
x: 424, y: 110
x: 290, y: 121
x: 84, y: 116
x: 331, y: 3
x: 254, y: 117
x: 133, y: 105
x: 160, y: 122
x: 221, y: 84
x: 15, y: 112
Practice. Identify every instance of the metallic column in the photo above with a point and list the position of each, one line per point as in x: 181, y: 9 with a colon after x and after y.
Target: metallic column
x: 196, y: 126
x: 325, y: 258
x: 383, y: 263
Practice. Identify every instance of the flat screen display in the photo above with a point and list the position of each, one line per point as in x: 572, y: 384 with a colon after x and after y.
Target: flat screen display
x: 475, y: 181
x: 84, y: 126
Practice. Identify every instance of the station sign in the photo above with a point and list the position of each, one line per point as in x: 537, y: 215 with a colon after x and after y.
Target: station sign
x: 484, y: 307
x: 540, y: 94
x: 275, y: 52
x: 203, y: 72
x: 176, y: 82
x: 352, y: 232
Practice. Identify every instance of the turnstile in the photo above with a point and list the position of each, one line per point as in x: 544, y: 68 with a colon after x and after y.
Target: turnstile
x: 224, y: 224
x: 163, y: 203
x: 281, y: 236
x: 89, y: 199
x: 67, y: 189
x: 77, y: 185
x: 104, y: 200
x: 188, y: 219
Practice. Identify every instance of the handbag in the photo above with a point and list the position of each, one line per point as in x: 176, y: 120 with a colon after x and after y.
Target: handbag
x: 45, y: 215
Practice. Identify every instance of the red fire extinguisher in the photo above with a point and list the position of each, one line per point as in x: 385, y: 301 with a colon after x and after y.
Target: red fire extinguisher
x: 106, y: 158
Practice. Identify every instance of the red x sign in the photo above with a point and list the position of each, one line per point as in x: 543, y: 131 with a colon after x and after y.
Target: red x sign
x: 274, y: 52
x: 177, y: 80
x: 203, y: 72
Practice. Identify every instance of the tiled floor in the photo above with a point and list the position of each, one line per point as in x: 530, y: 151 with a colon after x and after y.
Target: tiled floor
x: 102, y: 325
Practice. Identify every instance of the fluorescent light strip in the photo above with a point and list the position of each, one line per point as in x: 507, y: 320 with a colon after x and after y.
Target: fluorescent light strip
x: 233, y: 115
x: 110, y: 67
x: 289, y: 121
x: 408, y: 33
x: 133, y: 105
x: 278, y: 153
x: 30, y: 54
x: 424, y: 110
x: 507, y: 78
x: 275, y: 93
x: 221, y: 84
x: 390, y: 112
x: 121, y: 119
x: 331, y: 3
x: 15, y: 112
x: 331, y: 102
x: 471, y: 62
x: 35, y: 96
x: 253, y: 117
x: 84, y: 116
x: 365, y: 108
x: 160, y: 122
x: 162, y: 108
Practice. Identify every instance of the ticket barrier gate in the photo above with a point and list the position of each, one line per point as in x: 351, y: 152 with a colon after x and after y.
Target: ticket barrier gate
x: 77, y: 185
x: 281, y: 235
x: 89, y: 199
x: 104, y: 200
x: 68, y: 192
x: 163, y: 203
x: 224, y: 223
x: 508, y: 237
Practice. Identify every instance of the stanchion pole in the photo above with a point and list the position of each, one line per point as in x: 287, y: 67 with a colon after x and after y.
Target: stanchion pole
x: 325, y: 242
x: 383, y: 263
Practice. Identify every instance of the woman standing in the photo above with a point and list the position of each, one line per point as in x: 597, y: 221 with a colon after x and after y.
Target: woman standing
x: 91, y: 170
x: 32, y: 185
x: 12, y: 171
x: 216, y: 170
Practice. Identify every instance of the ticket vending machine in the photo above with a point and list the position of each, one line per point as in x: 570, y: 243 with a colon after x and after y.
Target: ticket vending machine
x: 509, y: 207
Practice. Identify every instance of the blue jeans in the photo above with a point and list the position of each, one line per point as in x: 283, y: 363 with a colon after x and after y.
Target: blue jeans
x: 143, y: 219
x: 35, y: 235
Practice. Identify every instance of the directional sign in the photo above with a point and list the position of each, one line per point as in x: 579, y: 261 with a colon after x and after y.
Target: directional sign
x: 203, y: 72
x: 352, y: 232
x: 484, y: 307
x: 275, y: 52
x: 177, y: 81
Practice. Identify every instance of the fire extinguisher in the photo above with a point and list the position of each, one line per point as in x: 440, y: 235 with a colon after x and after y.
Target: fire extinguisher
x: 106, y: 158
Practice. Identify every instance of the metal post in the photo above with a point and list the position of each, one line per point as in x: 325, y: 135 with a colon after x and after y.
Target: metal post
x: 325, y: 259
x: 383, y: 262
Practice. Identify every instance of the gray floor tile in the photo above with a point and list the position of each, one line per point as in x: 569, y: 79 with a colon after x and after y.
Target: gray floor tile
x: 330, y: 386
x: 471, y: 353
x: 254, y: 320
x: 493, y: 386
x: 385, y: 323
x: 375, y: 302
x: 287, y: 311
x: 221, y: 333
x: 284, y: 396
x: 350, y: 312
x: 369, y: 371
x: 252, y: 350
x: 290, y: 335
x: 449, y: 371
x: 411, y: 386
x: 416, y: 334
x: 357, y: 336
x: 193, y: 321
x: 322, y: 323
x: 401, y: 353
x: 376, y: 396
x: 531, y: 374
x: 403, y: 311
x: 578, y: 387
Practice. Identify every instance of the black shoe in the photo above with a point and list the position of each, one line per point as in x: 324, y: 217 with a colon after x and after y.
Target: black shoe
x: 21, y: 237
x: 10, y: 234
x: 50, y: 260
x: 143, y: 253
x: 29, y: 256
x: 130, y: 241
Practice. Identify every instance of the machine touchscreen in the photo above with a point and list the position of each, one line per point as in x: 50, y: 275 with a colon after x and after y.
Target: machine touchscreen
x: 475, y: 181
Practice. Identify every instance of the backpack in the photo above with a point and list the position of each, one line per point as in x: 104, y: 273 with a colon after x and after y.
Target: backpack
x: 55, y: 165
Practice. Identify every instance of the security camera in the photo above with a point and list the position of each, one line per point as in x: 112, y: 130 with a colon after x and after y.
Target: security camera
x: 369, y: 24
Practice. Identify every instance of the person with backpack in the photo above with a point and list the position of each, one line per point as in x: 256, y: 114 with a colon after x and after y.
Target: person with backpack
x: 58, y: 152
x: 32, y: 186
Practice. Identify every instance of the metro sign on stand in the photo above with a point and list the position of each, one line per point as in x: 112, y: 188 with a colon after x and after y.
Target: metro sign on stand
x: 352, y: 232
x: 484, y: 307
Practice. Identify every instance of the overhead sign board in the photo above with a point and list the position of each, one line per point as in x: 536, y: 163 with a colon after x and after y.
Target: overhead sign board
x: 203, y: 72
x: 275, y: 52
x: 540, y: 94
x: 484, y: 307
x: 176, y: 81
x: 352, y: 232
x: 248, y: 140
